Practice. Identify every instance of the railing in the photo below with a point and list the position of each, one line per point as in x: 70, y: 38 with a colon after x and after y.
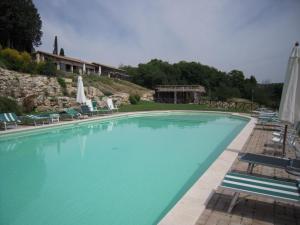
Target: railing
x: 180, y: 88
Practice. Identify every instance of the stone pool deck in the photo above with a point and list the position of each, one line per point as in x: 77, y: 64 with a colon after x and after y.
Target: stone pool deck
x: 252, y: 210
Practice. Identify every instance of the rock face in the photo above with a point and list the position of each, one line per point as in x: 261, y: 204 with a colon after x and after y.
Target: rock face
x: 42, y: 93
x: 148, y: 96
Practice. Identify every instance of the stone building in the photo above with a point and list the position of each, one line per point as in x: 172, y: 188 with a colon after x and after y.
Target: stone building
x: 78, y: 66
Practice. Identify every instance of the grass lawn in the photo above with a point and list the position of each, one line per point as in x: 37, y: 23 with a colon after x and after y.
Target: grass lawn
x: 148, y: 106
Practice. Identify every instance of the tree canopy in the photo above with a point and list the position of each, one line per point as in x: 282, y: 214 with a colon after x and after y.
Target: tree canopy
x: 218, y: 84
x: 62, y: 52
x: 20, y: 25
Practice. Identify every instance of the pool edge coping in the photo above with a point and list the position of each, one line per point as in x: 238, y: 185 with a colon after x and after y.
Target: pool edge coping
x: 190, y: 207
x: 31, y: 128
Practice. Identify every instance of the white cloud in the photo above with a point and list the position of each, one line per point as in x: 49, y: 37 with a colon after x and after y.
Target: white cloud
x: 252, y: 36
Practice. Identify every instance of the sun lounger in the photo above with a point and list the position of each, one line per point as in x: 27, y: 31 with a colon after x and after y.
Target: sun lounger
x: 270, y: 161
x: 54, y: 117
x: 86, y: 110
x: 71, y: 113
x: 290, y: 139
x: 41, y: 118
x: 269, y: 121
x: 111, y: 105
x: 94, y: 104
x: 37, y: 119
x: 9, y: 118
x: 290, y: 131
x: 98, y: 109
x: 258, y: 186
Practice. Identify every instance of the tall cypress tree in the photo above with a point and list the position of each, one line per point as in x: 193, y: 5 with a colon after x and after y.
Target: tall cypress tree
x: 55, y: 47
x: 62, y: 52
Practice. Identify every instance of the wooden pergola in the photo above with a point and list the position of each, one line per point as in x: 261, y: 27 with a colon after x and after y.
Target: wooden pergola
x: 179, y: 93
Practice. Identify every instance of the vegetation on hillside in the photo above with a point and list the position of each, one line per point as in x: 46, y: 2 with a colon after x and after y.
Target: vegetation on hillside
x: 12, y: 59
x: 20, y: 25
x: 112, y: 85
x: 9, y: 105
x: 151, y: 106
x: 218, y: 84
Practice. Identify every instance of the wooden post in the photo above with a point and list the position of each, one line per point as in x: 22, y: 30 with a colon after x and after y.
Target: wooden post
x: 175, y: 97
x: 284, y: 139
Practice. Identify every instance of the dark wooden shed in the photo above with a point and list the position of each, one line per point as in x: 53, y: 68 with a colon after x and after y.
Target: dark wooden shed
x: 179, y: 93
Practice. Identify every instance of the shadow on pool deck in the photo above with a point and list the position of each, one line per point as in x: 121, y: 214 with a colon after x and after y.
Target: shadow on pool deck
x: 253, y: 210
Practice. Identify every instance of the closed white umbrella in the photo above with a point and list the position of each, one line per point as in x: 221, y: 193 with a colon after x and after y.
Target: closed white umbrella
x: 80, y: 91
x: 289, y: 110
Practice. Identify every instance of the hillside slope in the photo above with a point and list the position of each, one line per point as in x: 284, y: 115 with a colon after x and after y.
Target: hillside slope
x: 42, y: 93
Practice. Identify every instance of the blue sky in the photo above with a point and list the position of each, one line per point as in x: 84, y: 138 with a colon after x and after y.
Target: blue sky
x: 254, y: 36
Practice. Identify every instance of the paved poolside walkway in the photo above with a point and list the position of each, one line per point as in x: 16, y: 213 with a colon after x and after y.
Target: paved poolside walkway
x: 253, y: 210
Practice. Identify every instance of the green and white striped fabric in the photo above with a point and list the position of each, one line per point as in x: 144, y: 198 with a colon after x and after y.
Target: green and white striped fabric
x: 9, y: 117
x: 262, y: 186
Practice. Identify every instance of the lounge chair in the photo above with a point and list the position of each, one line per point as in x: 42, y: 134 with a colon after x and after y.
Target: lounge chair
x: 9, y: 118
x: 42, y: 118
x: 290, y: 139
x: 98, y: 109
x: 290, y: 131
x: 86, y: 110
x: 71, y: 113
x: 54, y: 117
x: 264, y: 187
x: 36, y: 119
x: 111, y: 105
x: 269, y: 121
x: 283, y: 163
x: 94, y: 104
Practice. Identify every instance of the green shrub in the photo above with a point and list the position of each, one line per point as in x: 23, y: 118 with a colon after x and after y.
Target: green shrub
x: 134, y: 99
x: 15, y: 60
x: 2, y: 64
x: 9, y: 105
x: 61, y: 82
x: 63, y: 85
x: 12, y: 59
x: 107, y: 93
x: 46, y: 68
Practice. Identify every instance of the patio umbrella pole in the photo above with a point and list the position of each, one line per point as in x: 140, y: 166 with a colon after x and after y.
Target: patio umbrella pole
x: 284, y: 139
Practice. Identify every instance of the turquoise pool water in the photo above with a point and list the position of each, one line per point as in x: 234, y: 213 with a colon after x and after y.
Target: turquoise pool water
x: 126, y: 171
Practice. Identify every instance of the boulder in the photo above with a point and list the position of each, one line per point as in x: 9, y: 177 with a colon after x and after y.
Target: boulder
x: 120, y: 98
x: 148, y: 96
x: 92, y: 92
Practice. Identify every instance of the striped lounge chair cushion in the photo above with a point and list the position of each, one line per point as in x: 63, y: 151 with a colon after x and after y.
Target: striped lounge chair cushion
x: 262, y: 186
x: 9, y: 118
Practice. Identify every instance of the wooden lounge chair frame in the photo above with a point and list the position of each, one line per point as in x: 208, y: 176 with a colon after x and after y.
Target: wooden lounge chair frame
x: 270, y: 161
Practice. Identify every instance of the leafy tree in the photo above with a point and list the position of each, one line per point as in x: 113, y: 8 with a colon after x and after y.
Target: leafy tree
x: 47, y: 68
x: 55, y: 46
x: 218, y: 84
x: 62, y: 52
x: 9, y: 105
x: 20, y: 25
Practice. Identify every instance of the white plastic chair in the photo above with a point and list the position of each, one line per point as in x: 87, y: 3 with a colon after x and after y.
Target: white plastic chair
x: 110, y: 105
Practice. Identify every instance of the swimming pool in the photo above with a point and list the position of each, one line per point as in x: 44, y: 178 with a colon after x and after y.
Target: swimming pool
x: 128, y: 170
